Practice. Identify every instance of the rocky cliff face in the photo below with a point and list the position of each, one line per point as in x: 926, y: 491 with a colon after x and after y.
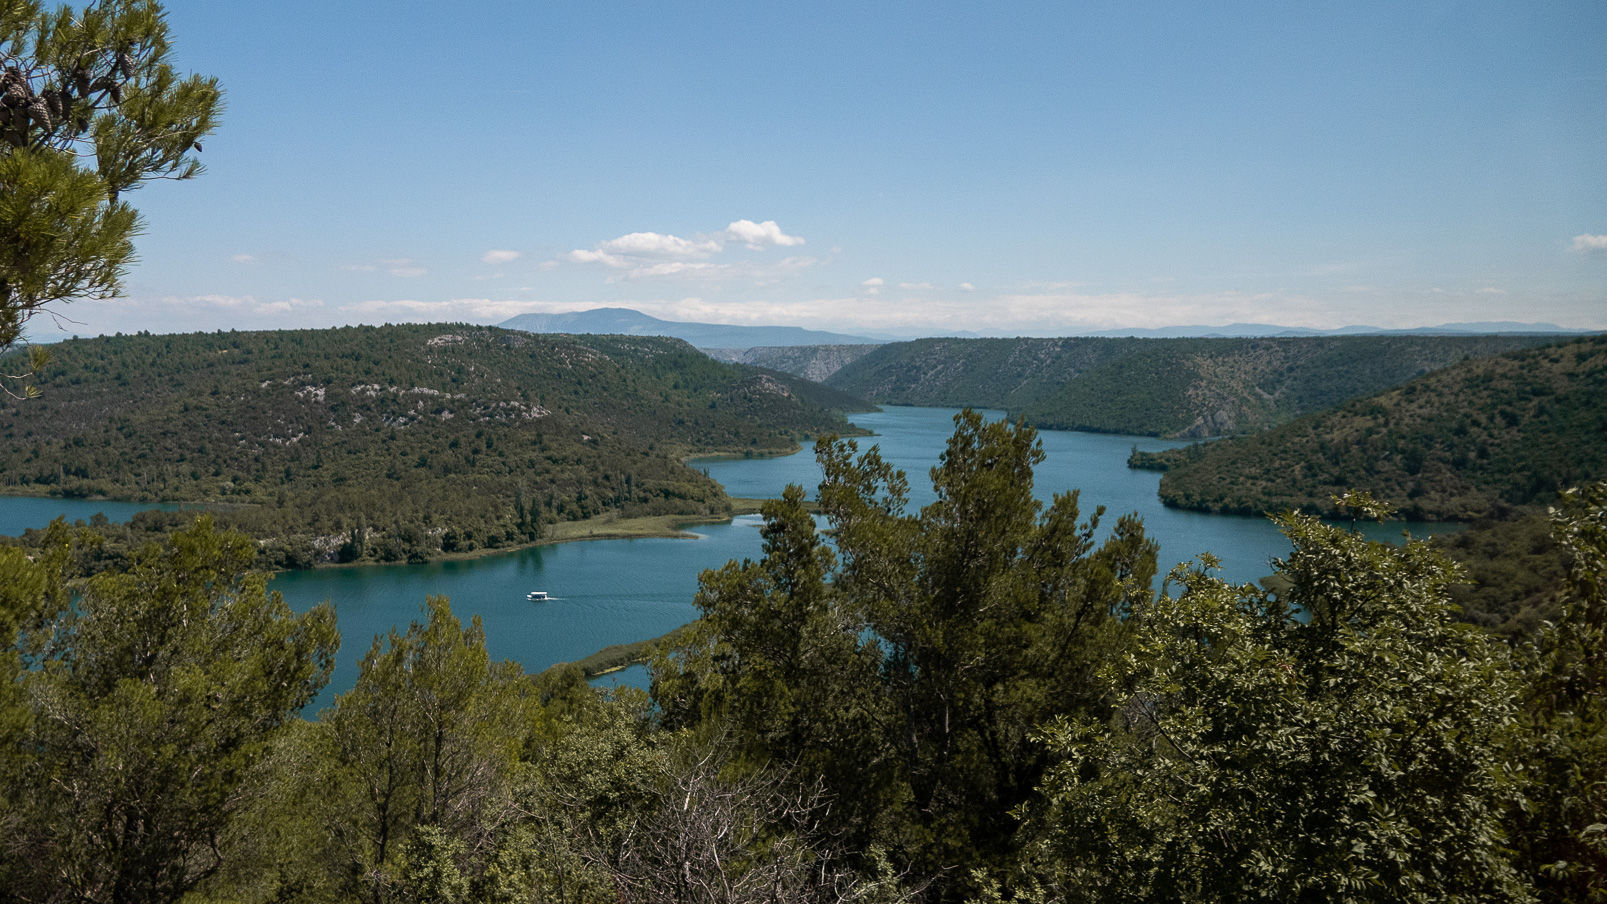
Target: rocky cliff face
x: 812, y: 362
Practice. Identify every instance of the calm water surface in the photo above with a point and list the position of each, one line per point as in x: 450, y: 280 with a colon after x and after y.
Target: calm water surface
x: 18, y: 513
x: 618, y: 591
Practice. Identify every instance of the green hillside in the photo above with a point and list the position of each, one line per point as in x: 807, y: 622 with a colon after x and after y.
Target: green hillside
x: 1515, y: 570
x: 399, y: 441
x: 1155, y: 387
x: 1457, y: 444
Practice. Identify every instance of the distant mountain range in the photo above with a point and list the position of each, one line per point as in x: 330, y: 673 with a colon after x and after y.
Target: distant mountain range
x: 624, y: 321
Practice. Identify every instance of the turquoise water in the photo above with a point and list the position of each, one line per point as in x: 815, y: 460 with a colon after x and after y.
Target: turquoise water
x: 618, y: 591
x: 1095, y: 463
x: 18, y: 513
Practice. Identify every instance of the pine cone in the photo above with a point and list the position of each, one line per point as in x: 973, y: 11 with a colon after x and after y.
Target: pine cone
x: 40, y: 112
x: 17, y: 95
x: 53, y: 102
x: 81, y: 81
x: 116, y: 91
x: 125, y: 64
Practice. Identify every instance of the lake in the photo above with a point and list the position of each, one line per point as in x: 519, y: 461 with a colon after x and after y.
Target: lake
x: 18, y: 513
x: 617, y: 591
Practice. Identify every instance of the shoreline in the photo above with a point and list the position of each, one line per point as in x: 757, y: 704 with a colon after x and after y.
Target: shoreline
x: 601, y: 527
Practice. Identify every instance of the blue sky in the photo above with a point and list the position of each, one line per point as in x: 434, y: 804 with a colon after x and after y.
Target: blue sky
x: 907, y: 168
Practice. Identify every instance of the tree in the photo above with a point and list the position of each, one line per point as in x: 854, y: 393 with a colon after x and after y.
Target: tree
x: 90, y: 108
x: 151, y: 701
x: 1345, y: 740
x: 428, y: 738
x: 991, y: 614
x: 908, y: 676
x: 782, y: 673
x: 1563, y: 831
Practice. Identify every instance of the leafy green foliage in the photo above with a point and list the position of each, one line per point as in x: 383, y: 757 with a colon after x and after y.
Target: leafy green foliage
x: 1516, y: 574
x: 1155, y: 387
x: 1474, y: 439
x: 150, y: 702
x: 977, y: 701
x: 91, y: 109
x: 908, y: 682
x: 396, y: 443
x: 421, y: 757
x: 1347, y: 740
x: 1563, y: 831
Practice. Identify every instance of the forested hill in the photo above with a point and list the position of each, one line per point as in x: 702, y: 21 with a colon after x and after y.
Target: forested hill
x: 1155, y: 387
x: 398, y: 441
x: 1456, y: 444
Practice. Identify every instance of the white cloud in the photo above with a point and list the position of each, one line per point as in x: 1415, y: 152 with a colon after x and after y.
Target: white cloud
x: 965, y: 286
x: 1587, y: 242
x: 758, y: 235
x: 675, y: 268
x: 361, y: 268
x: 916, y: 285
x: 246, y: 259
x: 582, y: 256
x: 496, y: 257
x: 1490, y: 290
x: 653, y: 255
x: 873, y: 282
x: 644, y: 254
x: 652, y: 244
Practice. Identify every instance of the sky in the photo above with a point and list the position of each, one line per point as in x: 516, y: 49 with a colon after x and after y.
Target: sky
x: 890, y: 168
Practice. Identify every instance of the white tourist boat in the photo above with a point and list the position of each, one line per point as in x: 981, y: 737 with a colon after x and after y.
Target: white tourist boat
x: 537, y: 596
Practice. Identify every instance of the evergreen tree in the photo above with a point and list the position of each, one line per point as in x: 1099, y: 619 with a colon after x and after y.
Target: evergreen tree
x: 428, y: 739
x: 90, y: 108
x: 151, y: 701
x: 909, y: 678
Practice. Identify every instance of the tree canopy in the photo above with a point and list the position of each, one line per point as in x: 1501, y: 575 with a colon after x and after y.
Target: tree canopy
x: 90, y: 109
